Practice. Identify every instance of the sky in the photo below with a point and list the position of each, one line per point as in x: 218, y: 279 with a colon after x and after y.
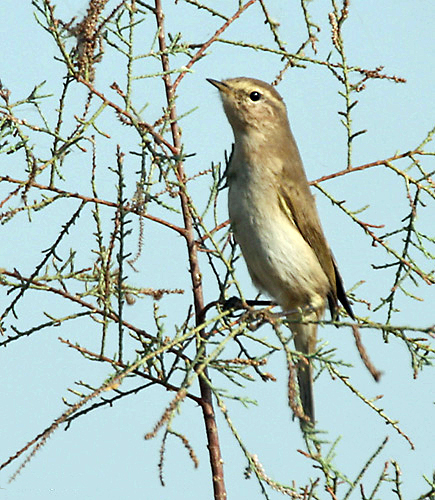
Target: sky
x: 104, y: 454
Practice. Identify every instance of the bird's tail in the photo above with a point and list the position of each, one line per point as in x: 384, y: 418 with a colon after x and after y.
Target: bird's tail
x: 305, y: 337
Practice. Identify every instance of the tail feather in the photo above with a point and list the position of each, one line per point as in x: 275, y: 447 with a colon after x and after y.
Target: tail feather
x: 305, y: 337
x: 306, y: 393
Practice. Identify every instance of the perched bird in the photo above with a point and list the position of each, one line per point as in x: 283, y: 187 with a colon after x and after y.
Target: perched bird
x: 274, y: 217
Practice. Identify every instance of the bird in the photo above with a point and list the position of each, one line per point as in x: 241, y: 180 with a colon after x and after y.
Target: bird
x: 274, y: 219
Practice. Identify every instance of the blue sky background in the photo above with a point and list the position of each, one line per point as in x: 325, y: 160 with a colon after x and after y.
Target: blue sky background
x: 104, y: 455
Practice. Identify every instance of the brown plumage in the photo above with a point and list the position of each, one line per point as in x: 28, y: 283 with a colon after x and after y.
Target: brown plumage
x: 274, y: 217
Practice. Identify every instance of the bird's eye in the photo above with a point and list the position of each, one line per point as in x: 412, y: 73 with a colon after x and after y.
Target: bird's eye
x: 255, y: 96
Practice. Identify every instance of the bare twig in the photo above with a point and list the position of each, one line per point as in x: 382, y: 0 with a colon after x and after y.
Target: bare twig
x: 376, y: 374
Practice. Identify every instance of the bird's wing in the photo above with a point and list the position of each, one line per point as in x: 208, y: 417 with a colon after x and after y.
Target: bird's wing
x: 299, y: 205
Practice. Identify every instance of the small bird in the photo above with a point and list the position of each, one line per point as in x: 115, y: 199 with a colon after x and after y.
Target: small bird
x: 274, y: 217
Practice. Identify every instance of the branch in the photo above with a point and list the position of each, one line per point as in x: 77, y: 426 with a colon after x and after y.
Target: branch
x: 215, y: 455
x: 120, y: 364
x: 207, y: 44
x: 90, y: 199
x: 408, y: 154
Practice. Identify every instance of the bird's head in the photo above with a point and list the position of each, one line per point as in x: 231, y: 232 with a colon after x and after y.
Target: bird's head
x: 251, y: 104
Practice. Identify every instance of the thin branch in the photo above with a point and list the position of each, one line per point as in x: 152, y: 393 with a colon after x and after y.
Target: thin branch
x: 90, y: 199
x: 346, y: 171
x: 207, y: 44
x: 215, y: 455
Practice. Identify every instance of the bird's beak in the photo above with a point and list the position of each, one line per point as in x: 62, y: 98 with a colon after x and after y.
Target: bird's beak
x: 221, y: 86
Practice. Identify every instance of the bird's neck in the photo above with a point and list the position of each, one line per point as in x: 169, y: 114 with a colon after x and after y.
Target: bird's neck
x: 252, y: 158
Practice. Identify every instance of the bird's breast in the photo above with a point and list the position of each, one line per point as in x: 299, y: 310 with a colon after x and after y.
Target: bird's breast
x: 279, y: 260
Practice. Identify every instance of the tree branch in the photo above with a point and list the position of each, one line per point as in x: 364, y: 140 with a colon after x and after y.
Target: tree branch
x: 215, y: 456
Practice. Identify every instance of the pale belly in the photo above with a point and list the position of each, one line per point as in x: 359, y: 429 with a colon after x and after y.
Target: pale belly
x: 279, y: 260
